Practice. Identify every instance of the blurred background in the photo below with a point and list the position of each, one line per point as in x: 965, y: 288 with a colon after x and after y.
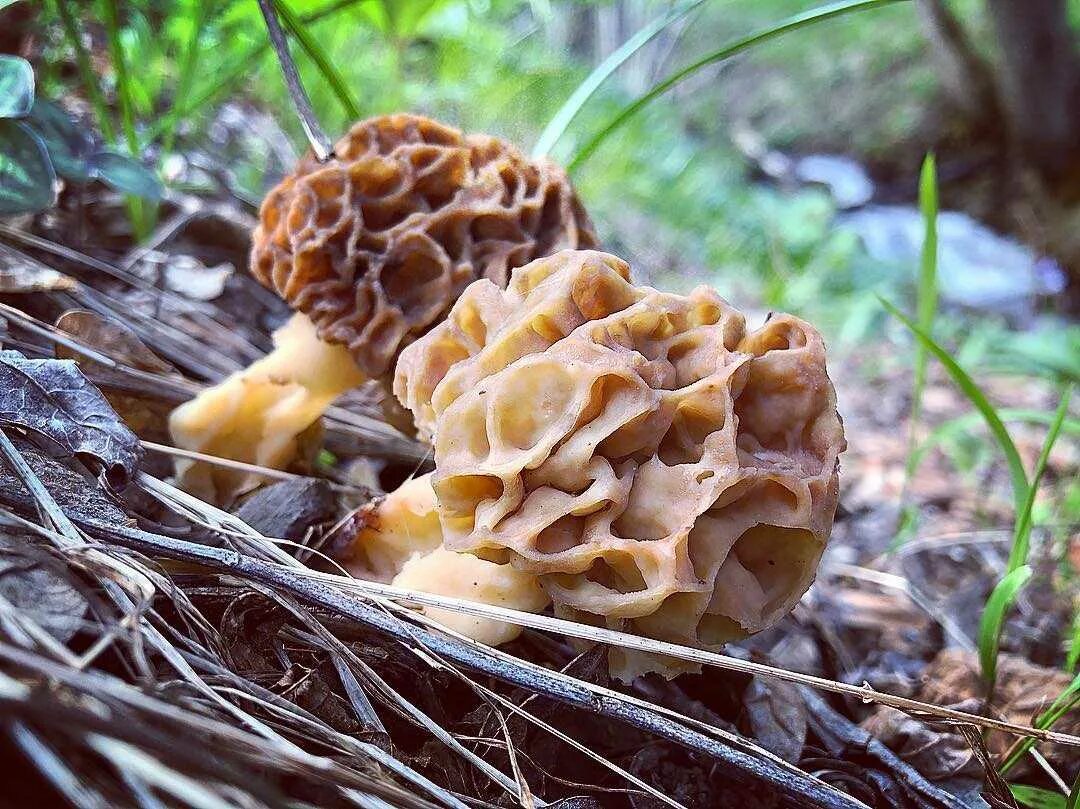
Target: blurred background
x: 787, y: 177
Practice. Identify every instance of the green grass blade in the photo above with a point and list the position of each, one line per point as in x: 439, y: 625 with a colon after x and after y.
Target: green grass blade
x: 187, y: 72
x: 322, y: 61
x: 1022, y: 531
x: 136, y: 210
x: 1036, y: 797
x: 86, y: 72
x: 926, y: 311
x: 993, y: 618
x: 562, y: 119
x: 927, y: 294
x: 1073, y: 801
x: 1073, y: 656
x: 238, y: 68
x: 977, y: 398
x: 794, y: 23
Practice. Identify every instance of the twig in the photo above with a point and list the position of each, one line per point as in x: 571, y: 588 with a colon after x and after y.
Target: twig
x: 320, y: 143
x: 746, y: 760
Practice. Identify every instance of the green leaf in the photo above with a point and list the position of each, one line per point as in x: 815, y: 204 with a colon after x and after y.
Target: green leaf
x: 573, y: 105
x: 993, y: 618
x: 1037, y: 798
x: 125, y: 175
x: 977, y: 398
x: 26, y: 176
x: 16, y: 86
x: 69, y: 144
x: 793, y: 23
x: 1073, y: 801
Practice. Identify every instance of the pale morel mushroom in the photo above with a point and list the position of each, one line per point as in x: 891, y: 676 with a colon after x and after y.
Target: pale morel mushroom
x: 371, y: 248
x: 653, y: 465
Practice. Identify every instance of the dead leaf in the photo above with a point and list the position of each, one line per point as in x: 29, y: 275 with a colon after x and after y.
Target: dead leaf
x: 777, y: 717
x: 31, y: 584
x: 51, y: 398
x: 1023, y: 691
x: 147, y: 416
x: 109, y: 337
x: 937, y: 754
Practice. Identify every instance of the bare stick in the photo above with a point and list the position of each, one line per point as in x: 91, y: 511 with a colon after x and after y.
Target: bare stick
x: 320, y: 143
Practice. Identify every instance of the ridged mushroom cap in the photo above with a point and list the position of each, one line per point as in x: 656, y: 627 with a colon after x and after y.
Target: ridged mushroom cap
x: 659, y: 467
x: 375, y: 244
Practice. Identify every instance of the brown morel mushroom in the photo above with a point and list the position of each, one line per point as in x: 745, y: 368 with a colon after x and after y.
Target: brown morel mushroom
x: 657, y: 467
x: 371, y: 248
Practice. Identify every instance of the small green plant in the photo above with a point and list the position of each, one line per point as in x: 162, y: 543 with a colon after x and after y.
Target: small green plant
x: 40, y: 142
x: 1016, y: 573
x: 926, y: 308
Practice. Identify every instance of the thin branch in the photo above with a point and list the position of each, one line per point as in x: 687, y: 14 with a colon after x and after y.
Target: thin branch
x: 321, y: 146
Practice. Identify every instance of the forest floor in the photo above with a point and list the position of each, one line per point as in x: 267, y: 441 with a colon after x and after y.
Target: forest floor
x: 902, y: 619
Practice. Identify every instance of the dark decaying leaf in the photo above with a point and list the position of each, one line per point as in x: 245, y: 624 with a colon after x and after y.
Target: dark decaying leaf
x: 69, y: 144
x: 109, y: 337
x: 19, y: 274
x: 53, y: 399
x: 285, y: 510
x: 125, y: 175
x: 78, y: 495
x: 16, y: 86
x: 938, y: 753
x: 143, y: 404
x: 27, y: 179
x: 29, y: 582
x: 777, y: 717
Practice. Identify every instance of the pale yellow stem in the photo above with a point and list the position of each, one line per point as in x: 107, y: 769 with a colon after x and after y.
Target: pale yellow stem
x: 257, y: 415
x: 401, y: 542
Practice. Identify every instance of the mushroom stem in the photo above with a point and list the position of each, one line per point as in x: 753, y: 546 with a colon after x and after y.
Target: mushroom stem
x: 257, y: 415
x: 401, y: 542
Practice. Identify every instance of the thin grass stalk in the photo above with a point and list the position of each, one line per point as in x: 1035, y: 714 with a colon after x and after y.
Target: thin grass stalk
x: 320, y: 57
x: 187, y: 72
x: 138, y: 213
x: 741, y: 756
x: 320, y: 143
x: 562, y: 119
x: 1018, y: 554
x: 228, y: 77
x: 1017, y: 571
x: 86, y: 72
x: 793, y: 23
x: 340, y: 594
x: 975, y: 395
x: 1062, y: 704
x: 926, y: 310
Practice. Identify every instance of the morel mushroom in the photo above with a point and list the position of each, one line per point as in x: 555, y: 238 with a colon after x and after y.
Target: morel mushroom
x: 659, y: 468
x: 371, y: 248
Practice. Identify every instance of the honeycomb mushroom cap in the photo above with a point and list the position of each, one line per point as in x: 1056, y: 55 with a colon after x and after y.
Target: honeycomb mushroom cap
x: 375, y: 244
x: 660, y: 468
